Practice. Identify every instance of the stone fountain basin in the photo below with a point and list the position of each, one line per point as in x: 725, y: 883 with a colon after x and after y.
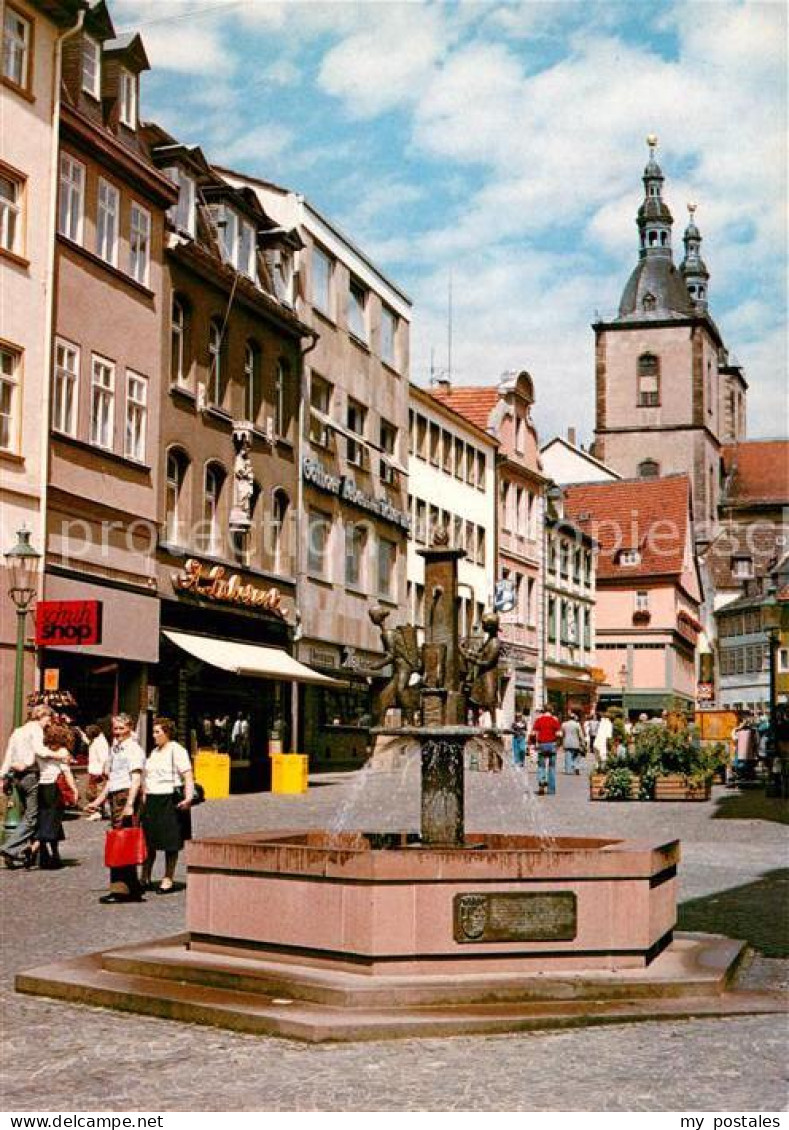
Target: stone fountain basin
x: 499, y: 902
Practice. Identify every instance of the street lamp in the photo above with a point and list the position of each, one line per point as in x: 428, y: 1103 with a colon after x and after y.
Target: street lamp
x: 22, y: 563
x: 771, y: 622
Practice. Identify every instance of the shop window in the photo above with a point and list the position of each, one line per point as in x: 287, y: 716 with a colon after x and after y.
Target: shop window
x: 174, y: 506
x: 349, y: 707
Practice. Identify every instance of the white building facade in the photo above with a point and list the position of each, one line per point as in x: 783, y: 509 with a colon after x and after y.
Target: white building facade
x: 452, y: 485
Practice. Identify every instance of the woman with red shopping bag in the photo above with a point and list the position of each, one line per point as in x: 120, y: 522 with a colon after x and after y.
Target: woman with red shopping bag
x: 125, y: 847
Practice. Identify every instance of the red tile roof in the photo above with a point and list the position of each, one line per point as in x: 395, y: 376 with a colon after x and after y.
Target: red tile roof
x: 650, y: 515
x: 474, y: 402
x: 760, y: 471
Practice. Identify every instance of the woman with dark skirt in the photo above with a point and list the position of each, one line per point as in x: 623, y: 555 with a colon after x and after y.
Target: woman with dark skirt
x: 169, y: 789
x: 49, y: 829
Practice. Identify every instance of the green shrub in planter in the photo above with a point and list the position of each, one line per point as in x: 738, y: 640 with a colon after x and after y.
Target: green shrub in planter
x: 618, y: 784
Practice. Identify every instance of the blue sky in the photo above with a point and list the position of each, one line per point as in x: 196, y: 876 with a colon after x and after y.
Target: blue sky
x: 503, y: 143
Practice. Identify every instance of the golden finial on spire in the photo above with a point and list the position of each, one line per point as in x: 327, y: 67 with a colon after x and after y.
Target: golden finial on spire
x: 652, y: 140
x: 692, y: 209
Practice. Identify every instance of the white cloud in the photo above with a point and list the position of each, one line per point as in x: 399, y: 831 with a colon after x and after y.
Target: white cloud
x: 253, y: 148
x: 387, y: 61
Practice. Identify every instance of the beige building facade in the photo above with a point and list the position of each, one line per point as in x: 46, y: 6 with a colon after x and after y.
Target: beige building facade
x: 33, y: 34
x: 353, y: 474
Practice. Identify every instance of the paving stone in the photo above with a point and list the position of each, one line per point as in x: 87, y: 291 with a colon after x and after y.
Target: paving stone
x: 732, y: 880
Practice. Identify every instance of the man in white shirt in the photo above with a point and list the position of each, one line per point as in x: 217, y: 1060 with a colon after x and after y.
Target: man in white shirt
x: 20, y: 769
x: 98, y: 756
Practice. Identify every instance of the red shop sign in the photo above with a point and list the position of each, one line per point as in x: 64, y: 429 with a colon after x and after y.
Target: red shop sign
x: 68, y: 622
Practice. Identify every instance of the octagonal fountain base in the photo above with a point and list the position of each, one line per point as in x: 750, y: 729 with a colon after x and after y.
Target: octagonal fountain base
x: 382, y: 905
x: 352, y: 937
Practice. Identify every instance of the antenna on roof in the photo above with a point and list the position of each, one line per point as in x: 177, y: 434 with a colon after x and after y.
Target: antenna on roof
x: 449, y: 326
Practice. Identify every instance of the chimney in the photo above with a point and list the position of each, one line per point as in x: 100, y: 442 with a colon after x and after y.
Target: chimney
x: 571, y: 436
x: 444, y: 382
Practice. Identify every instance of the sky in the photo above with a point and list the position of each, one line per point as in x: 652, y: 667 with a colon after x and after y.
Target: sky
x: 501, y: 145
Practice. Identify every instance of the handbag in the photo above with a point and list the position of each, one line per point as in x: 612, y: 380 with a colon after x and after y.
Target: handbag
x: 67, y: 797
x: 125, y: 847
x: 179, y: 794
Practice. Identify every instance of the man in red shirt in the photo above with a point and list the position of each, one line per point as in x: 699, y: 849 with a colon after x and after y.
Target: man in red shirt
x: 546, y: 732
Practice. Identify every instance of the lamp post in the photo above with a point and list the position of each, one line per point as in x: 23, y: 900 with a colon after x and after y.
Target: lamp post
x: 771, y: 622
x: 22, y: 563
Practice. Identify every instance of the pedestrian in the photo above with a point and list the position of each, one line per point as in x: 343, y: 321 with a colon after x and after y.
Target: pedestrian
x: 98, y: 756
x: 52, y: 761
x: 745, y: 751
x: 20, y: 771
x: 124, y: 792
x: 547, y: 733
x: 572, y: 742
x: 166, y: 817
x: 519, y: 741
x: 605, y: 732
x: 590, y: 731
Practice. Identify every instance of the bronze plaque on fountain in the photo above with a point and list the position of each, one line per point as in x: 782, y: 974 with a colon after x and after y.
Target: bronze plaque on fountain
x: 515, y: 917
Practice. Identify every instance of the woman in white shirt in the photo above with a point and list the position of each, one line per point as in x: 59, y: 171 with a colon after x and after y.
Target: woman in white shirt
x: 49, y: 827
x: 166, y: 818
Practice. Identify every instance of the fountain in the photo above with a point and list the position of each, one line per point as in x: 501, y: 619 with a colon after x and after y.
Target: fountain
x: 364, y: 934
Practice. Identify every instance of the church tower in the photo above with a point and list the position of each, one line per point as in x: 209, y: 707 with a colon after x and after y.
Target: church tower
x: 667, y: 392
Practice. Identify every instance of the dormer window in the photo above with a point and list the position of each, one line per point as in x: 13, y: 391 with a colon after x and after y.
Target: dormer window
x: 742, y: 568
x: 128, y: 98
x: 629, y: 557
x: 648, y: 302
x: 282, y: 262
x: 91, y: 67
x: 182, y: 214
x: 246, y: 250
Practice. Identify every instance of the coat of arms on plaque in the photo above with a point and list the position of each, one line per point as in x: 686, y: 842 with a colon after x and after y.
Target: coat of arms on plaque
x: 471, y: 916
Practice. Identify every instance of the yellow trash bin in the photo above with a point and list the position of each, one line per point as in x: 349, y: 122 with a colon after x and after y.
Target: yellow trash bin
x: 212, y: 771
x: 289, y: 772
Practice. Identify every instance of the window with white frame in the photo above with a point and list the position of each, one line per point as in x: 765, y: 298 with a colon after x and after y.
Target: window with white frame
x: 136, y: 415
x: 210, y: 537
x: 16, y: 47
x: 140, y: 244
x: 280, y: 510
x: 281, y: 382
x: 355, y: 547
x: 72, y: 198
x: 178, y: 330
x: 11, y: 190
x: 388, y: 445
x: 91, y: 66
x: 247, y: 249
x: 320, y: 402
x: 322, y: 270
x: 215, y: 362
x: 128, y: 98
x: 65, y: 398
x: 182, y: 214
x: 389, y: 336
x: 226, y: 223
x: 387, y: 568
x: 102, y: 402
x: 355, y: 418
x: 9, y: 398
x: 629, y: 557
x: 648, y: 381
x: 177, y: 465
x: 357, y: 310
x: 251, y: 381
x: 107, y: 222
x: 742, y: 568
x: 318, y: 543
x: 642, y: 600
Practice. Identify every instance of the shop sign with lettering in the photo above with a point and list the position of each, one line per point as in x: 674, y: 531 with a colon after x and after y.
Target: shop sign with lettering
x: 212, y: 583
x: 346, y: 490
x: 62, y: 623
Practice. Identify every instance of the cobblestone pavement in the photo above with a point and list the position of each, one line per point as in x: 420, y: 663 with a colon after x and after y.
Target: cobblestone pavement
x: 733, y: 880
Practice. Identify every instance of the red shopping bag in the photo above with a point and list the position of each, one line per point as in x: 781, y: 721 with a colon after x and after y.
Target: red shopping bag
x: 125, y: 847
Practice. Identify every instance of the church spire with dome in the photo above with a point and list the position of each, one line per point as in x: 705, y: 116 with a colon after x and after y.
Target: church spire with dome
x: 655, y: 289
x: 693, y: 268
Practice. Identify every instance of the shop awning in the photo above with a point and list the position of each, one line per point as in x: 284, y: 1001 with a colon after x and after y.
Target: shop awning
x: 249, y: 659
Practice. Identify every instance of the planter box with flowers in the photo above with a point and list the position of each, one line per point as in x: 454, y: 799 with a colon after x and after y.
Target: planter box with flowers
x: 619, y: 783
x: 674, y: 786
